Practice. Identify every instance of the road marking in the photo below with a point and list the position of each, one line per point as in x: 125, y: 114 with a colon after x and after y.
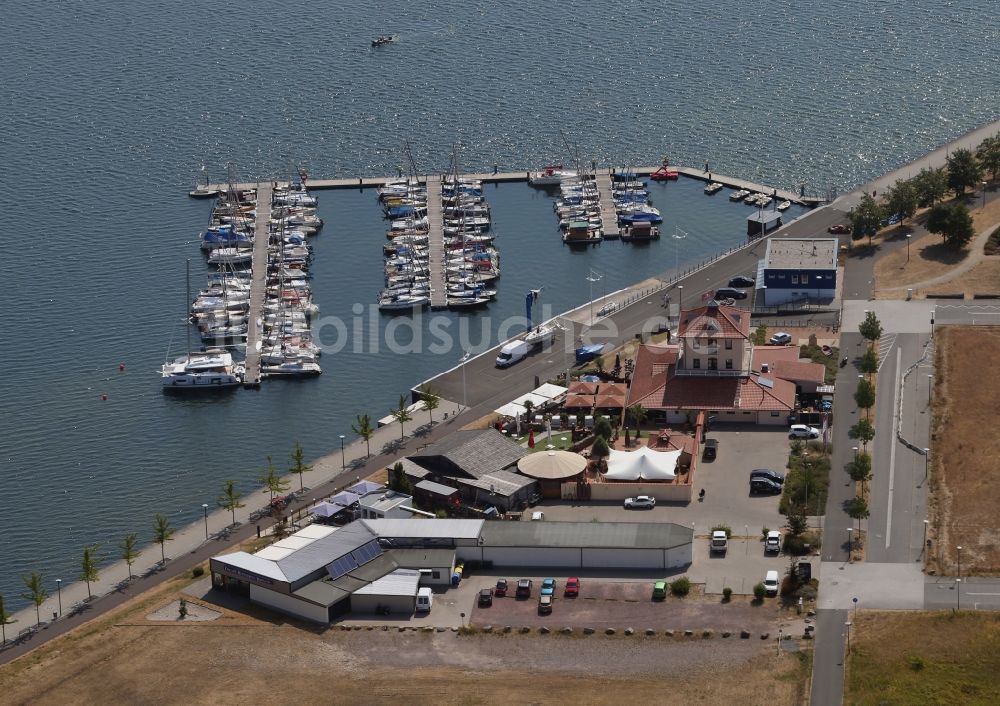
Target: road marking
x: 968, y: 593
x: 892, y: 450
x: 885, y: 344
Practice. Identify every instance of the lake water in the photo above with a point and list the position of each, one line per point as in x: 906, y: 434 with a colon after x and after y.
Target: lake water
x: 110, y: 111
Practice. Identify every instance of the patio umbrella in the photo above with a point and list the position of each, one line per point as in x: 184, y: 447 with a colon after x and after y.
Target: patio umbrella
x: 628, y: 442
x: 618, y: 361
x: 531, y: 439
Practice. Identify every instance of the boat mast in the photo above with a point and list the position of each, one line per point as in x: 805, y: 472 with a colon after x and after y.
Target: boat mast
x: 187, y: 307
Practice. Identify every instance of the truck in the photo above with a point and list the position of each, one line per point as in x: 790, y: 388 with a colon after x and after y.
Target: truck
x: 719, y: 543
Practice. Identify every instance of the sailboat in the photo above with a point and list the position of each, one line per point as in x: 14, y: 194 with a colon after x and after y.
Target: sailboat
x: 213, y: 369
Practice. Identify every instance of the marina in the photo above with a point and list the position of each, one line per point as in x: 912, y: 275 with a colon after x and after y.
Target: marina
x: 257, y: 283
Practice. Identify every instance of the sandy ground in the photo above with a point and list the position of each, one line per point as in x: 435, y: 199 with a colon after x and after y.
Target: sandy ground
x: 965, y: 485
x: 262, y: 659
x: 929, y: 258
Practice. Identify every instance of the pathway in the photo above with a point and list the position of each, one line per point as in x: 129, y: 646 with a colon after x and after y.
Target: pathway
x: 435, y: 244
x: 258, y: 283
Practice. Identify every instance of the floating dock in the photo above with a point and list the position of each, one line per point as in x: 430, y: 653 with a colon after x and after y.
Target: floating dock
x: 435, y: 244
x: 506, y: 177
x: 258, y: 283
x: 609, y: 215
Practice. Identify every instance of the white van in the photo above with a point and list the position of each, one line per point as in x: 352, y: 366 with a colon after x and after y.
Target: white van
x: 511, y: 353
x: 771, y: 583
x: 425, y: 599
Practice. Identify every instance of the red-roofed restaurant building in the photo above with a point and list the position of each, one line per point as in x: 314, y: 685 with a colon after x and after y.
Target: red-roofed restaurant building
x: 715, y: 368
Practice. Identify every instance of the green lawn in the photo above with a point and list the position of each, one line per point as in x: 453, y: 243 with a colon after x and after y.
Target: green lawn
x: 830, y: 362
x: 808, y: 479
x: 541, y: 442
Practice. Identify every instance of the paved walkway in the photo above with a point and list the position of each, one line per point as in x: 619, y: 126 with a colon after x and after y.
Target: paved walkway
x: 975, y: 256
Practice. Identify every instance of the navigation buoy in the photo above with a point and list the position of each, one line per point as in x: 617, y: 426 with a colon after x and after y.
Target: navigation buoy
x: 104, y: 398
x: 121, y: 367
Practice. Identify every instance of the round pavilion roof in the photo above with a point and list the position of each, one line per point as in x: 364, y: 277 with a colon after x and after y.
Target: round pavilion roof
x: 552, y: 464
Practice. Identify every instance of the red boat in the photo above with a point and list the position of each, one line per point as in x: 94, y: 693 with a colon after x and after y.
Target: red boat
x: 664, y: 174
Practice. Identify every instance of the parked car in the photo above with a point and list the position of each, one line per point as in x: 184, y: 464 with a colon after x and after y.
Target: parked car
x: 548, y: 587
x: 486, y: 598
x: 771, y: 583
x: 780, y: 339
x: 544, y: 605
x: 773, y: 476
x: 659, y: 590
x: 804, y: 570
x: 640, y: 502
x: 803, y: 431
x: 523, y: 588
x: 719, y: 543
x: 741, y: 281
x: 572, y: 587
x: 839, y: 229
x: 825, y: 405
x: 772, y: 543
x: 501, y: 589
x: 763, y: 486
x: 730, y: 293
x: 711, y: 449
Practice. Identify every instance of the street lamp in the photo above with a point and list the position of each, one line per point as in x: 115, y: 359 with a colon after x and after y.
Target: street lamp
x: 59, y: 591
x: 924, y: 547
x: 592, y: 277
x: 848, y: 626
x: 680, y: 299
x: 959, y: 562
x: 930, y: 387
x: 850, y: 545
x: 958, y: 593
x: 855, y: 450
x: 908, y: 246
x: 465, y: 399
x: 204, y: 509
x: 343, y: 458
x: 984, y: 194
x: 927, y: 458
x: 678, y: 236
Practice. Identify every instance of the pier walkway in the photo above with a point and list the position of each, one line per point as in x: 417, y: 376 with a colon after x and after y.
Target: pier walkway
x: 609, y: 216
x: 435, y: 244
x: 258, y: 284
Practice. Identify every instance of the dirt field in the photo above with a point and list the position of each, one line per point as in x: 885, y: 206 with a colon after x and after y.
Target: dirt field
x: 604, y: 604
x: 924, y: 658
x: 929, y: 258
x: 965, y: 503
x: 262, y: 660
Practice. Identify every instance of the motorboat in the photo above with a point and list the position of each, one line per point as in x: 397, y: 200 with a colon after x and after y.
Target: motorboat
x: 640, y: 231
x: 551, y: 176
x: 221, y: 257
x: 211, y: 370
x: 291, y: 368
x: 739, y: 195
x: 403, y: 302
x: 784, y: 205
x: 383, y: 39
x: 713, y: 187
x: 582, y: 233
x: 665, y: 173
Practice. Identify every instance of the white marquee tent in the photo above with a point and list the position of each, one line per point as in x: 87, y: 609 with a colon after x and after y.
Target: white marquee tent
x: 642, y: 464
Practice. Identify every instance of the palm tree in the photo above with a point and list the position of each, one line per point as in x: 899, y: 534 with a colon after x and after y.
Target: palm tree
x: 365, y: 430
x: 36, y: 593
x: 299, y: 465
x: 431, y: 399
x: 162, y: 533
x: 402, y: 415
x: 5, y: 619
x: 272, y: 482
x: 529, y: 407
x: 230, y: 499
x: 638, y: 414
x: 128, y: 551
x: 89, y: 570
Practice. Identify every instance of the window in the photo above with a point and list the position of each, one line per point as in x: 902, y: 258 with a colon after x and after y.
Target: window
x: 711, y: 342
x: 713, y: 363
x: 729, y: 363
x: 696, y: 364
x: 729, y: 344
x: 795, y: 279
x: 435, y: 574
x: 775, y: 414
x: 805, y: 279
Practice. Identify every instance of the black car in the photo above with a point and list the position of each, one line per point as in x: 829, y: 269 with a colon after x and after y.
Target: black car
x: 730, y: 293
x: 523, y: 588
x: 768, y: 474
x: 741, y: 281
x: 486, y: 597
x: 763, y: 486
x: 711, y: 449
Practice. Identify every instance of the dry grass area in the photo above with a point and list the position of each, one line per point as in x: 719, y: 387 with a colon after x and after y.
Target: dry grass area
x: 930, y: 258
x: 924, y: 658
x: 260, y: 659
x: 965, y: 482
x: 984, y: 278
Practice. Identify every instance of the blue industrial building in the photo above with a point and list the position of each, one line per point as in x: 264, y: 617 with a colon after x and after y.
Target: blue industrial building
x: 797, y: 269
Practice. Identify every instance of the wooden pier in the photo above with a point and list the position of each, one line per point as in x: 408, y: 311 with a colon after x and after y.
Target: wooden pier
x: 609, y: 215
x: 435, y: 244
x: 258, y: 284
x: 507, y: 177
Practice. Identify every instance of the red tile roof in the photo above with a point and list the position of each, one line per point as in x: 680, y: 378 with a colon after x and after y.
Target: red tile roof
x: 799, y: 371
x: 579, y: 401
x: 667, y: 441
x: 578, y: 387
x: 772, y: 354
x: 652, y: 366
x: 755, y: 396
x: 715, y: 321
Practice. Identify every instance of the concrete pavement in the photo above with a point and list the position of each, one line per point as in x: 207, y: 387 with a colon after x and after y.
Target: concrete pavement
x: 828, y: 658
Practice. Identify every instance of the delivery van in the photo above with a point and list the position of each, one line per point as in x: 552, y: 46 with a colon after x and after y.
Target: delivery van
x: 512, y: 353
x: 425, y: 599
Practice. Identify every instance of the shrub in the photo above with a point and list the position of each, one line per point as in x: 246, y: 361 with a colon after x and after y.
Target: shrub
x: 723, y: 528
x: 806, y: 593
x: 441, y: 514
x: 681, y: 586
x: 727, y: 594
x: 764, y: 531
x: 198, y: 571
x: 759, y: 591
x: 915, y: 662
x: 797, y: 545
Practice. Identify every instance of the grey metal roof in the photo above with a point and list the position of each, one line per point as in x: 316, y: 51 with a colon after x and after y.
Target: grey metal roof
x: 374, y: 569
x: 594, y: 535
x: 322, y: 593
x: 422, y: 558
x: 501, y: 482
x: 476, y: 452
x: 436, y: 488
x: 414, y: 470
x: 321, y: 552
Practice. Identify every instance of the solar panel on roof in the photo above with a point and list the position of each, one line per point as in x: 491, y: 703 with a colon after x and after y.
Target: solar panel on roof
x: 362, y: 555
x: 766, y: 382
x: 341, y: 566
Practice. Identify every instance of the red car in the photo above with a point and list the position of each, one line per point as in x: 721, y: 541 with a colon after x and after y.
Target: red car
x: 572, y: 587
x: 839, y: 229
x: 501, y: 589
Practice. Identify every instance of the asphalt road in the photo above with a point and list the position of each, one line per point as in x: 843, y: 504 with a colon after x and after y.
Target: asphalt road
x: 828, y: 659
